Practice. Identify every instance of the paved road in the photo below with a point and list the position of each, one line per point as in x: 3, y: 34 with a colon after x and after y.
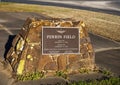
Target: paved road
x: 106, y: 6
x: 10, y: 24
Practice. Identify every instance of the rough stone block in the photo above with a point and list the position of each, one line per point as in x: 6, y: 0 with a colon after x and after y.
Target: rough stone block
x: 26, y: 55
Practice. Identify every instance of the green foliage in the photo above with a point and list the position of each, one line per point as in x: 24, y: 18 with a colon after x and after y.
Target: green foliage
x: 61, y: 74
x: 30, y: 76
x: 84, y: 70
x: 110, y: 81
x: 106, y: 72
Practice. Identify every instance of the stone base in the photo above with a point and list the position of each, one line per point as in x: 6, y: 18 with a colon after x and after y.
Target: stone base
x: 25, y: 55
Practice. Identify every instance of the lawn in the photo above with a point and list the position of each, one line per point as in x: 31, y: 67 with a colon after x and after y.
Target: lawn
x: 106, y: 25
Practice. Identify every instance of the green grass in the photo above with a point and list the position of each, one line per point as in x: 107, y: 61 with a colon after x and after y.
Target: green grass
x: 30, y: 76
x: 62, y: 74
x: 110, y: 81
x: 103, y: 24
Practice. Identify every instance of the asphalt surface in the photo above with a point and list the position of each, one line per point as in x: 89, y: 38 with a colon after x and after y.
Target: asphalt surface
x: 105, y: 6
x: 10, y: 25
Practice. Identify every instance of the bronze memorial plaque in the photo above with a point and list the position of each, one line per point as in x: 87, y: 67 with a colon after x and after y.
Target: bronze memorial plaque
x: 60, y: 40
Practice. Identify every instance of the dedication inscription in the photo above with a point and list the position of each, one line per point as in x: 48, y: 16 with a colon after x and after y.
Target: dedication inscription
x: 60, y: 40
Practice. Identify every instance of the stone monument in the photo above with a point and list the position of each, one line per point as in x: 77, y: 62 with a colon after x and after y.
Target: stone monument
x: 51, y: 45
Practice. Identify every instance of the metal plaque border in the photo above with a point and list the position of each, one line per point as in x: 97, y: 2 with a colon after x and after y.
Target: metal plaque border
x: 56, y: 28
